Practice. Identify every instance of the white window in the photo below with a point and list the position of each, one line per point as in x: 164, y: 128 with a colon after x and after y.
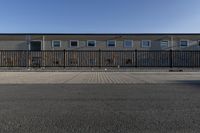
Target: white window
x: 164, y: 44
x: 146, y: 43
x: 74, y: 43
x: 128, y: 43
x: 184, y: 43
x: 56, y: 43
x: 91, y: 43
x: 111, y: 43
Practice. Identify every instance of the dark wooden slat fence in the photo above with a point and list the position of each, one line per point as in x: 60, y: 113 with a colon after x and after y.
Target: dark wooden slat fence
x: 99, y: 58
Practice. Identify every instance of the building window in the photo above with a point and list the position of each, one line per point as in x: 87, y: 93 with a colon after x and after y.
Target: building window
x: 74, y: 43
x: 164, y: 44
x: 56, y: 43
x: 128, y: 43
x: 91, y: 43
x: 111, y: 43
x: 146, y: 43
x: 184, y: 43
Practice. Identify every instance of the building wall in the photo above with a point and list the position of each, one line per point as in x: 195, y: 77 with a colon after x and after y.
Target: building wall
x: 13, y: 45
x: 11, y: 42
x: 155, y: 45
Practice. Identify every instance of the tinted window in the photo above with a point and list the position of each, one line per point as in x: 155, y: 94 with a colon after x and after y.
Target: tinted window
x: 36, y: 46
x: 184, y: 43
x: 128, y: 43
x: 146, y: 43
x: 56, y: 43
x: 111, y: 43
x: 91, y: 43
x: 74, y: 44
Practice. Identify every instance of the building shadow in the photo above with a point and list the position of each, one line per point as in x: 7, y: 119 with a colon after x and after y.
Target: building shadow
x: 194, y: 83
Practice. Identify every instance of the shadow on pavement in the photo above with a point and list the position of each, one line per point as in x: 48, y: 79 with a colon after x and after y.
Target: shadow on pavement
x: 189, y: 82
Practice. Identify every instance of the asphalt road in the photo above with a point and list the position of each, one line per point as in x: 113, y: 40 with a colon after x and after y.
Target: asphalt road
x: 93, y: 108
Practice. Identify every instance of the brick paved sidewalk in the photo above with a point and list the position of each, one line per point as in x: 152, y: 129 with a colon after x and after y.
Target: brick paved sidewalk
x: 97, y: 77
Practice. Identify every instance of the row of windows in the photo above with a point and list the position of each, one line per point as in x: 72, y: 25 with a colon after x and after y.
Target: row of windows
x: 127, y: 43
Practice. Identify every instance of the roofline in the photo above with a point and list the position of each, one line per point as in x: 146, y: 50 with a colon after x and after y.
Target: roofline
x: 136, y: 34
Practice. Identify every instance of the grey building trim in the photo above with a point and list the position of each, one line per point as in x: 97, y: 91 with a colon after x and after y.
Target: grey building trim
x: 107, y: 34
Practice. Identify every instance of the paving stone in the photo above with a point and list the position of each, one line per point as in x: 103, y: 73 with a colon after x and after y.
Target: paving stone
x: 96, y: 77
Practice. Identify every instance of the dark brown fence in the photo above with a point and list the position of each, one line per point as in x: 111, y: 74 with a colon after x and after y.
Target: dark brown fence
x: 100, y: 58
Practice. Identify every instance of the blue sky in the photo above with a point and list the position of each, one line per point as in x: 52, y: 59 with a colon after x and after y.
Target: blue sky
x: 99, y: 16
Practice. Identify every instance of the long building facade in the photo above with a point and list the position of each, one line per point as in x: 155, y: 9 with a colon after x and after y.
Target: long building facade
x: 38, y: 42
x: 100, y: 50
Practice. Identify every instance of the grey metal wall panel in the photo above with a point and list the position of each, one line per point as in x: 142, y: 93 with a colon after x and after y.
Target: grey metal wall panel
x: 13, y: 45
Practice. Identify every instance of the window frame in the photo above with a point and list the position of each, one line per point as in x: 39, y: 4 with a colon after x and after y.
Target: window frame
x: 55, y: 41
x: 164, y: 41
x: 111, y: 40
x: 125, y: 44
x: 95, y: 42
x: 146, y: 46
x: 188, y: 43
x: 74, y: 41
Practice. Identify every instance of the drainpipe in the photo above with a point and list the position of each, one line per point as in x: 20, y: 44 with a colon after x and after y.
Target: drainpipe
x: 28, y: 53
x: 172, y: 43
x: 43, y: 54
x: 43, y: 42
x: 171, y: 51
x: 29, y: 42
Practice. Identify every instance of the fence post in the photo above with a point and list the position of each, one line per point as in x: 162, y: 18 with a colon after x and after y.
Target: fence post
x: 29, y: 58
x: 171, y: 58
x: 44, y: 58
x: 136, y: 59
x: 64, y: 58
x: 99, y: 58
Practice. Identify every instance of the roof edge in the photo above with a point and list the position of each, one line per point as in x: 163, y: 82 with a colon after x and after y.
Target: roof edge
x: 99, y: 33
